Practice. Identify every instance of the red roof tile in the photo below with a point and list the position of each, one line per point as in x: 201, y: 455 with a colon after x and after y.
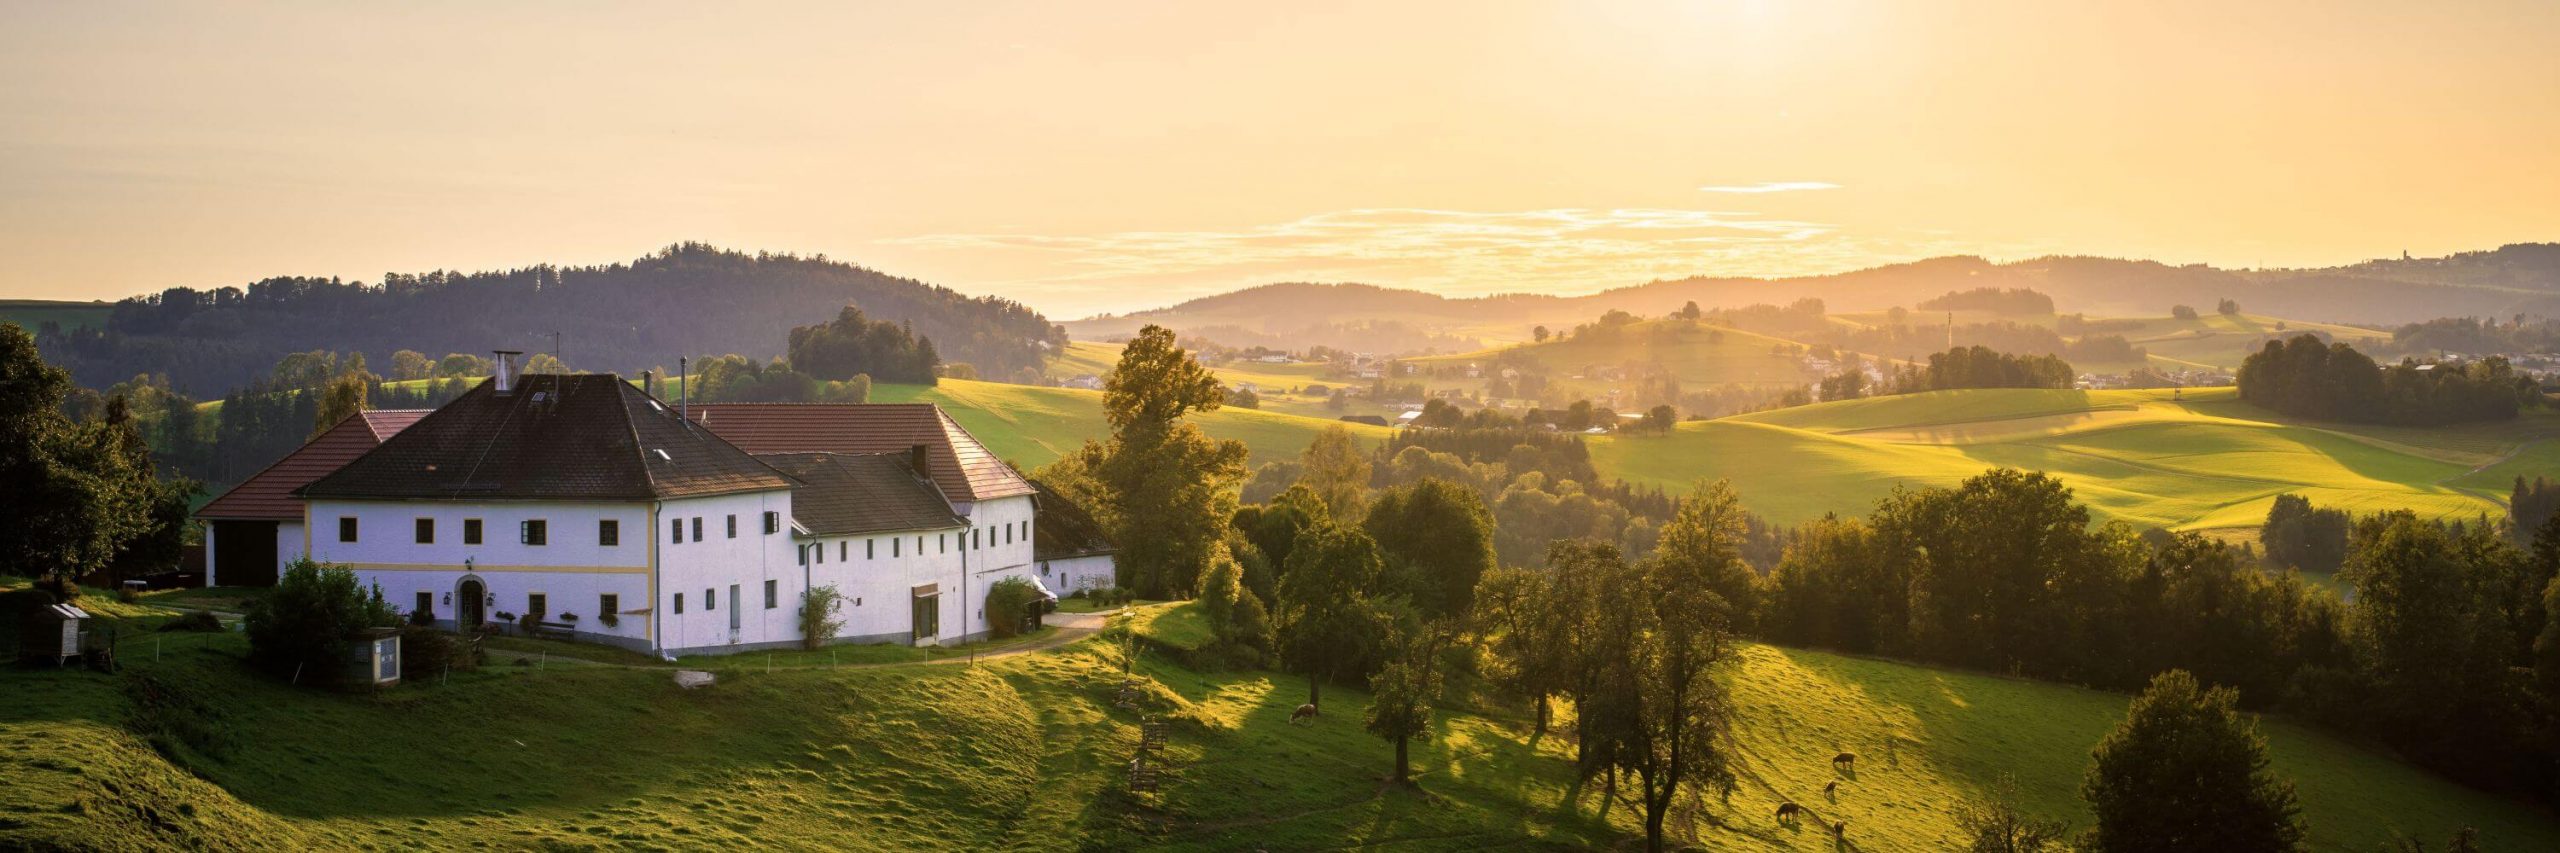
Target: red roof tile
x: 963, y: 468
x: 268, y: 495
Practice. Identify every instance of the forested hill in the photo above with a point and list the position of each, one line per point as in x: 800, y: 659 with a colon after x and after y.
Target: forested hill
x: 2522, y: 278
x: 690, y: 299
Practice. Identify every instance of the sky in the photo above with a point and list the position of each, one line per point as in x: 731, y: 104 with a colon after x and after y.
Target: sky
x: 1084, y: 157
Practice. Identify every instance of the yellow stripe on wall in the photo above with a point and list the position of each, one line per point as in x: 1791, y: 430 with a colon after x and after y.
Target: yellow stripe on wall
x: 487, y: 567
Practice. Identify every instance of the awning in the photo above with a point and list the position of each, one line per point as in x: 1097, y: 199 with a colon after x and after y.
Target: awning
x: 924, y: 590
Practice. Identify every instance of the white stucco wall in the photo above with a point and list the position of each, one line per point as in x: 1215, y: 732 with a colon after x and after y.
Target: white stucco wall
x: 718, y: 561
x: 877, y: 576
x: 289, y: 544
x: 572, y: 569
x: 1066, y: 576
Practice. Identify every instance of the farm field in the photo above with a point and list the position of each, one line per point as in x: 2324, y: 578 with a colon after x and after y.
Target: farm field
x: 1697, y: 355
x: 1026, y: 753
x: 1033, y: 426
x: 2205, y: 461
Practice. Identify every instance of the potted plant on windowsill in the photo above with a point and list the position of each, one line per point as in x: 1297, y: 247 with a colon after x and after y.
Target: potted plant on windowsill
x: 609, y: 619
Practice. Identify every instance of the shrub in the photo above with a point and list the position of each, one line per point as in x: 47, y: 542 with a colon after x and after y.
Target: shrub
x: 194, y: 620
x: 1008, y: 601
x: 427, y: 653
x: 301, y: 626
x: 608, y: 619
x: 818, y: 608
x: 127, y: 595
x: 62, y: 586
x: 422, y: 618
x: 529, y: 622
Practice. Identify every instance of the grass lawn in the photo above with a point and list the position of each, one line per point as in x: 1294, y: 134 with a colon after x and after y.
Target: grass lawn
x: 1033, y: 426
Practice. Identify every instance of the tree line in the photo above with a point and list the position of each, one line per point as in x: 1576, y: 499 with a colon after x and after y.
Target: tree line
x: 2305, y: 378
x: 687, y: 298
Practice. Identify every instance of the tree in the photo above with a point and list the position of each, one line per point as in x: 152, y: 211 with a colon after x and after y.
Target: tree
x: 1689, y: 311
x: 1661, y: 419
x: 545, y: 363
x: 1244, y: 398
x: 462, y: 365
x: 2298, y: 536
x: 2227, y: 308
x: 1701, y: 547
x: 1172, y: 489
x: 2182, y: 312
x: 1334, y: 467
x: 1539, y: 334
x: 300, y: 628
x: 1520, y: 617
x: 853, y: 343
x: 1654, y: 707
x: 1997, y: 826
x: 1322, y: 623
x: 342, y: 397
x: 411, y: 364
x: 79, y: 492
x: 959, y: 370
x: 1438, y: 541
x: 2185, y: 771
x: 1400, y: 695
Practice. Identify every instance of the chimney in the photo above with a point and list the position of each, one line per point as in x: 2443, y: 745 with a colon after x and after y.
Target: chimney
x: 649, y: 383
x: 917, y: 458
x: 684, y: 390
x: 506, y: 370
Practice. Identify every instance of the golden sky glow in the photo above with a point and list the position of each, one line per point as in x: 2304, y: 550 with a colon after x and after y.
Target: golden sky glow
x: 1084, y: 157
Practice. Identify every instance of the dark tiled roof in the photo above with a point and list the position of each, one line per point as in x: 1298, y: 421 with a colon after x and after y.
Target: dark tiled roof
x: 843, y: 494
x: 1062, y: 529
x: 558, y: 437
x: 964, y: 469
x: 268, y: 495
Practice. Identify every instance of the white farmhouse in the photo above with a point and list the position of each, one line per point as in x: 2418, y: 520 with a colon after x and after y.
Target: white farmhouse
x: 1074, y: 552
x: 583, y: 500
x: 946, y: 570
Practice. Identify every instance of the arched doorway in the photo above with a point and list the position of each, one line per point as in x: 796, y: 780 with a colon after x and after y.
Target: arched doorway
x: 467, y: 600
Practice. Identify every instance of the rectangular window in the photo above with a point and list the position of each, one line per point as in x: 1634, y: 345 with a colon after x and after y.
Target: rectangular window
x: 733, y: 525
x: 710, y: 599
x: 608, y: 604
x: 821, y: 548
x: 426, y: 531
x: 346, y: 528
x: 675, y: 530
x: 608, y: 532
x: 534, y: 531
x: 537, y: 604
x: 471, y: 531
x: 1008, y: 534
x: 772, y: 522
x: 974, y: 543
x: 893, y: 547
x: 697, y: 530
x: 679, y: 603
x: 871, y: 549
x: 426, y: 604
x: 772, y: 595
x: 841, y: 551
x: 942, y: 542
x: 804, y: 555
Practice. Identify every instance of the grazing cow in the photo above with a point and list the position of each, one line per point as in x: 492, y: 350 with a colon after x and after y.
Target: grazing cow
x: 1304, y: 712
x: 1831, y: 787
x: 1844, y: 761
x: 1788, y: 811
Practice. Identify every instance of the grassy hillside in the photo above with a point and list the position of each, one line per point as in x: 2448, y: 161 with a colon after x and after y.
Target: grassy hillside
x: 1033, y: 426
x: 32, y: 314
x: 2205, y: 461
x: 1696, y: 354
x: 1027, y: 753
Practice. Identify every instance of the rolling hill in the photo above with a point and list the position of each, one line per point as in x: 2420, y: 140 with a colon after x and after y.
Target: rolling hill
x: 1032, y: 426
x: 2198, y: 460
x: 1026, y: 753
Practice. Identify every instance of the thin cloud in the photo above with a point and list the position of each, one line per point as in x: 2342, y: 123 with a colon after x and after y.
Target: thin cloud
x: 1771, y: 187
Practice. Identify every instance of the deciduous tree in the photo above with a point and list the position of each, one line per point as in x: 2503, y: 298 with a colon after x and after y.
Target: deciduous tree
x: 2185, y: 771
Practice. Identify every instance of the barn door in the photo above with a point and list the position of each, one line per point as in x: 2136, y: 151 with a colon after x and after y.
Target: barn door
x: 736, y: 607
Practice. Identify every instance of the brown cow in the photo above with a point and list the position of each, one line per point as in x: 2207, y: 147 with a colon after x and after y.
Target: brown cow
x: 1844, y: 761
x: 1306, y: 711
x: 1788, y: 810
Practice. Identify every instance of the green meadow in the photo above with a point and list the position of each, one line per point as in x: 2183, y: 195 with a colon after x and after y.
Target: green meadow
x: 1029, y: 753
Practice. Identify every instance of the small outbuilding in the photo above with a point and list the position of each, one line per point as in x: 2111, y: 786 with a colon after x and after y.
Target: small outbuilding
x: 373, y: 657
x: 53, y: 632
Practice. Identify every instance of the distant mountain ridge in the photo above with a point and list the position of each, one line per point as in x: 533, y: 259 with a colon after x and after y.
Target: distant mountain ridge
x: 2518, y: 278
x: 689, y: 299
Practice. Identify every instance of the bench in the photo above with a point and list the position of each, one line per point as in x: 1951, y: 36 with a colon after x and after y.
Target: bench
x: 555, y: 630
